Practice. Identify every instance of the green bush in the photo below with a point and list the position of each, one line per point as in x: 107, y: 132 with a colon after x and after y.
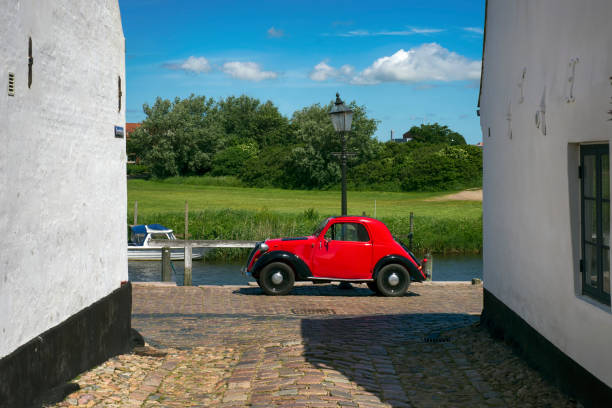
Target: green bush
x: 141, y: 170
x: 222, y: 181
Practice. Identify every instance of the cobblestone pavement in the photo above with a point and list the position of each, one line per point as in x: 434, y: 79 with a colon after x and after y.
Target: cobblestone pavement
x: 321, y: 346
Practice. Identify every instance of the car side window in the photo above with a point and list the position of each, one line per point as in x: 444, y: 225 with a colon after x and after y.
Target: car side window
x: 347, y: 231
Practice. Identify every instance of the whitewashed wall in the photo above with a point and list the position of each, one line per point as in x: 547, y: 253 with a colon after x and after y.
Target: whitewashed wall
x: 62, y: 171
x: 531, y: 188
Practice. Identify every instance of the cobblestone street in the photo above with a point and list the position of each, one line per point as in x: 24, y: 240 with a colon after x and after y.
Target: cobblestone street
x: 321, y: 346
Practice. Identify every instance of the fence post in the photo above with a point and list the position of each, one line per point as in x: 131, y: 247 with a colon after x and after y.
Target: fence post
x: 411, y: 231
x: 136, y: 212
x: 187, y: 280
x: 186, y: 221
x: 166, y: 274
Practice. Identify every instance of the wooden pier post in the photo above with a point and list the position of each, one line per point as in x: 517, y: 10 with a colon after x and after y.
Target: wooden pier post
x: 135, y: 212
x: 429, y: 266
x: 188, y: 268
x: 166, y: 273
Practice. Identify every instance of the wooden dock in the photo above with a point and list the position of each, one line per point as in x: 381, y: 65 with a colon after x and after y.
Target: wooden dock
x: 188, y: 245
x: 201, y: 243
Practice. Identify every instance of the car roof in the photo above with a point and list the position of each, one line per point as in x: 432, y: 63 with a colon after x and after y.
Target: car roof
x: 375, y: 223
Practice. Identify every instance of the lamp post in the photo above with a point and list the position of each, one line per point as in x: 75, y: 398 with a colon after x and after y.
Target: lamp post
x: 342, y: 118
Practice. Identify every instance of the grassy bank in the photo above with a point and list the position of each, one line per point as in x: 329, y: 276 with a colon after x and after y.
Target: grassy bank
x: 156, y: 197
x: 439, y: 235
x: 225, y: 212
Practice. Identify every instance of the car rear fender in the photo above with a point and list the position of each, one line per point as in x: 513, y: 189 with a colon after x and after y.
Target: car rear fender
x: 300, y: 268
x: 413, y: 270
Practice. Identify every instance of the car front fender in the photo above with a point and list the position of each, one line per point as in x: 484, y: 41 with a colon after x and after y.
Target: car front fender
x: 300, y: 268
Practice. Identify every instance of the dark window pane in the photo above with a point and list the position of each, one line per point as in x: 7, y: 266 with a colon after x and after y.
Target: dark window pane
x: 590, y: 176
x: 605, y: 176
x: 606, y: 270
x: 362, y: 233
x: 590, y: 265
x: 590, y: 220
x: 347, y: 231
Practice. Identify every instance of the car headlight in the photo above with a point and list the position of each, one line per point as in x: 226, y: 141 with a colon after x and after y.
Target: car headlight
x: 263, y: 247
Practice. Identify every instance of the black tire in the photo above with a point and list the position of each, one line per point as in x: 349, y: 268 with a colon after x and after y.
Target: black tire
x: 272, y: 272
x: 385, y: 276
x: 373, y: 287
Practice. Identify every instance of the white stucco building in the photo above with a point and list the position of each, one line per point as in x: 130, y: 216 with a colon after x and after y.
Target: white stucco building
x: 545, y: 96
x: 62, y: 190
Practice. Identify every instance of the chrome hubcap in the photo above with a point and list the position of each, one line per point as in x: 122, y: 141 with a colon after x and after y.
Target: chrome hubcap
x: 393, y: 279
x: 277, y: 278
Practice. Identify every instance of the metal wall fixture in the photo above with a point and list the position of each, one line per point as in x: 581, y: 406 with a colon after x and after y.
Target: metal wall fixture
x: 509, y: 119
x: 119, y: 94
x: 571, y: 79
x: 521, y: 84
x: 540, y: 116
x: 11, y: 84
x: 30, y: 62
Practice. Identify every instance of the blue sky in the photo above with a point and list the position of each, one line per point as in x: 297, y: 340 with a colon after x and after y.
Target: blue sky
x: 409, y: 62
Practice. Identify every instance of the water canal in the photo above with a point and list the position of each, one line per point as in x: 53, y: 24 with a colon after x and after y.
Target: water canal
x: 445, y: 268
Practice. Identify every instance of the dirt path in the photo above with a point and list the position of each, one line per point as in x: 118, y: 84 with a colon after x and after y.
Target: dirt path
x: 467, y: 195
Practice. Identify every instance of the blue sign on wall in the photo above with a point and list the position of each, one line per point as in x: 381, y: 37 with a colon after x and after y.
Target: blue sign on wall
x: 119, y: 132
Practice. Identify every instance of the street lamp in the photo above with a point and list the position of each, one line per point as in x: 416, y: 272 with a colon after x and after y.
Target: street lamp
x: 342, y: 118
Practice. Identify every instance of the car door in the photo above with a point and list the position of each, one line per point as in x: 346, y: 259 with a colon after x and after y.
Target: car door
x: 343, y: 251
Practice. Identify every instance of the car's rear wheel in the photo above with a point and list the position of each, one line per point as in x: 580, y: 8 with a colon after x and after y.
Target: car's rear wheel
x: 373, y: 287
x: 392, y: 280
x: 276, y: 279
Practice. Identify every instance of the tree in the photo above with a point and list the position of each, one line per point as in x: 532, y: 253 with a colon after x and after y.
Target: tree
x: 311, y: 162
x: 177, y: 138
x: 245, y: 119
x: 229, y: 162
x: 434, y: 134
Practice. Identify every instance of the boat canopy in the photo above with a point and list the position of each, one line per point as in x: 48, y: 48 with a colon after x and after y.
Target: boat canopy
x: 150, y: 229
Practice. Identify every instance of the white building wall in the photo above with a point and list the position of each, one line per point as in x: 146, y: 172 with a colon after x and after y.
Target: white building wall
x: 531, y: 207
x: 62, y: 171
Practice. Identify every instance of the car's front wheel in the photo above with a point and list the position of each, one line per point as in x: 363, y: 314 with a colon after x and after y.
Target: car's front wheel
x: 392, y: 280
x: 276, y: 279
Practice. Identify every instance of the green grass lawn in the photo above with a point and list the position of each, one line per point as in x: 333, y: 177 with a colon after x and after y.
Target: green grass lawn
x: 158, y: 197
x: 223, y: 212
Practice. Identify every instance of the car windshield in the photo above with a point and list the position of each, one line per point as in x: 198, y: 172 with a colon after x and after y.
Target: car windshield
x: 322, y: 225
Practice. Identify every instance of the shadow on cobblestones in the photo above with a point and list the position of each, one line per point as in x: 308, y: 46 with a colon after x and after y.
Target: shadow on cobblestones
x: 385, y: 355
x: 323, y: 290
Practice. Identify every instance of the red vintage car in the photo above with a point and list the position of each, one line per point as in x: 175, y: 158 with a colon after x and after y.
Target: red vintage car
x: 346, y: 249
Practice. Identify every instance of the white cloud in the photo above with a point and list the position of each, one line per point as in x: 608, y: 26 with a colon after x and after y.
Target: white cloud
x: 355, y: 33
x: 322, y: 72
x: 248, y: 71
x: 475, y: 30
x: 410, y: 31
x: 196, y: 65
x: 426, y: 30
x: 426, y: 63
x: 274, y: 33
